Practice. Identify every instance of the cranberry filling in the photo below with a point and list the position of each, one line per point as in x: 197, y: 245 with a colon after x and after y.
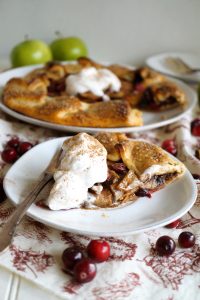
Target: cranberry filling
x: 56, y: 87
x: 147, y: 98
x: 160, y: 179
x: 118, y: 167
x: 138, y: 78
x: 196, y: 176
x: 143, y: 193
x: 148, y: 101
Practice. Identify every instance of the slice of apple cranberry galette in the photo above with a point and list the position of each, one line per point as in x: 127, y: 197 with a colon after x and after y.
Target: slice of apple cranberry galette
x: 109, y: 170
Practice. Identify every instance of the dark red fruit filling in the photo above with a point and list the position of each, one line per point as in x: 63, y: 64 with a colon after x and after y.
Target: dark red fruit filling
x: 143, y: 193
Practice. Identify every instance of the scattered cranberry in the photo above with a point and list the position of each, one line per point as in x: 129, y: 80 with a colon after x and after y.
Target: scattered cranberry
x: 173, y: 224
x: 167, y: 143
x: 165, y: 245
x: 98, y: 250
x: 186, y: 239
x: 195, y: 127
x: 13, y: 149
x: 13, y: 143
x: 143, y: 193
x: 169, y: 146
x: 2, y: 193
x: 71, y: 256
x: 9, y: 155
x: 24, y: 147
x: 85, y: 270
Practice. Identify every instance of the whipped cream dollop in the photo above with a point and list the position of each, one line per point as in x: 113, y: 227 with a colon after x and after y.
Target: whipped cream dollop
x: 93, y: 80
x: 82, y: 165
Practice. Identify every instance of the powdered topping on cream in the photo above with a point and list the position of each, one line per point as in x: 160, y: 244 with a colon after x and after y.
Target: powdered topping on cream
x: 93, y: 80
x: 83, y: 164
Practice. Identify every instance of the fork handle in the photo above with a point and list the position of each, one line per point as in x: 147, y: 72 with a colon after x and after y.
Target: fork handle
x: 9, y: 227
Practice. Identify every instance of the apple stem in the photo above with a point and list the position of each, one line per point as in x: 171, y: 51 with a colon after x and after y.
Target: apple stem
x: 58, y: 34
x: 26, y: 37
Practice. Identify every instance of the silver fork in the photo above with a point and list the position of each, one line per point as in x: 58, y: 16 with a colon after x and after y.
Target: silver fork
x: 9, y: 227
x: 181, y: 66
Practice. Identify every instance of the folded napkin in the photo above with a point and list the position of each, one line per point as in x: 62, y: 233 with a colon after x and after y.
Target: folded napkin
x: 134, y: 271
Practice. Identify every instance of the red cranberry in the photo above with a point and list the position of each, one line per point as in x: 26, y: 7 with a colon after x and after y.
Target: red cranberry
x: 165, y: 245
x: 85, y: 270
x: 13, y: 143
x: 9, y: 155
x: 143, y: 193
x: 169, y: 146
x: 2, y: 193
x: 173, y: 224
x: 167, y: 143
x: 24, y: 147
x: 171, y: 150
x: 195, y: 127
x: 186, y: 239
x: 71, y: 256
x: 98, y: 250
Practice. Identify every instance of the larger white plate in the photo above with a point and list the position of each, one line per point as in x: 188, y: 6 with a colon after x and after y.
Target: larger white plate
x: 159, y: 63
x: 164, y: 207
x: 151, y: 120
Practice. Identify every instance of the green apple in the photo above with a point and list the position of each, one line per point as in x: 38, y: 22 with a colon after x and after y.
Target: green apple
x: 30, y: 52
x: 69, y: 48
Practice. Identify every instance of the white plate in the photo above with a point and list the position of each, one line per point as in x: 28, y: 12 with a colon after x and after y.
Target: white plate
x: 159, y: 63
x: 164, y: 207
x: 151, y: 120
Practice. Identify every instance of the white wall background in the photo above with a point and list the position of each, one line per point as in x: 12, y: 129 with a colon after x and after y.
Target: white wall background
x: 114, y: 30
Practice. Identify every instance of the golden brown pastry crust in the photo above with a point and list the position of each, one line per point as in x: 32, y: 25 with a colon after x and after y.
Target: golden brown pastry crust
x: 140, y: 156
x: 147, y: 77
x: 136, y: 165
x: 109, y: 141
x: 67, y: 110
